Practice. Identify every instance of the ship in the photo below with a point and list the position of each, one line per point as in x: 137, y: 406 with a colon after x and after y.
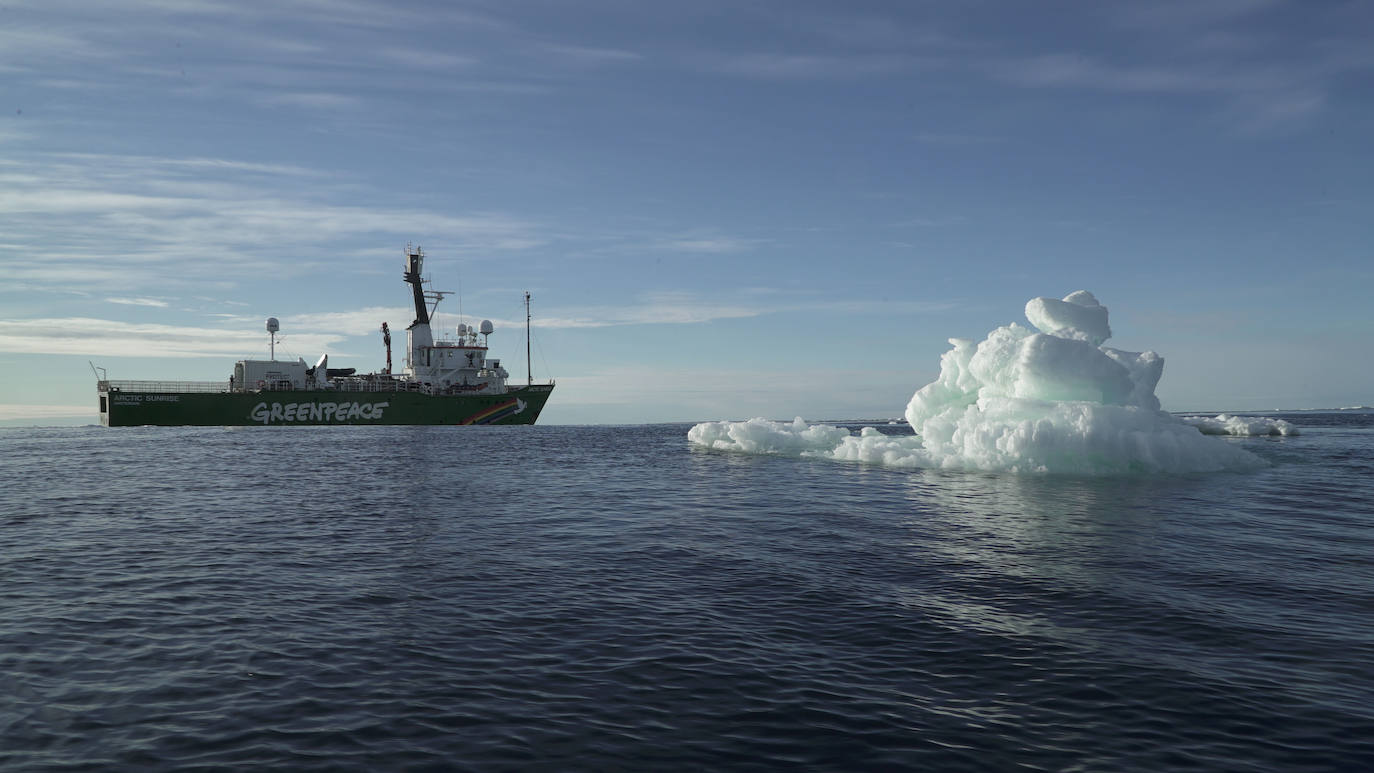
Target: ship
x: 444, y: 381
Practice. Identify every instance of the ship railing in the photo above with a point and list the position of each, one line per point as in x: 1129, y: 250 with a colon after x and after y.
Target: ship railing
x: 376, y: 385
x: 338, y: 385
x: 164, y: 386
x: 367, y: 385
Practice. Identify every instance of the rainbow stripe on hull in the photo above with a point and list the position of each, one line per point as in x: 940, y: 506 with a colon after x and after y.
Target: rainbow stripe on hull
x: 496, y: 413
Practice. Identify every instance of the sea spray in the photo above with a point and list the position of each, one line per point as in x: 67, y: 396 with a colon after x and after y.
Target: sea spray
x: 1053, y: 401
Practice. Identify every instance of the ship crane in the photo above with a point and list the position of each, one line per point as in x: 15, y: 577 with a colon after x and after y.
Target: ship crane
x: 386, y: 341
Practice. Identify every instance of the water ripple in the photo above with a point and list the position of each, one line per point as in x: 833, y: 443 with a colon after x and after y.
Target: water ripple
x: 607, y: 599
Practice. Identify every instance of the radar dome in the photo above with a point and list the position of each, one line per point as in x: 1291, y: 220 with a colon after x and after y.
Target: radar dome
x: 486, y: 327
x: 462, y: 328
x: 273, y: 325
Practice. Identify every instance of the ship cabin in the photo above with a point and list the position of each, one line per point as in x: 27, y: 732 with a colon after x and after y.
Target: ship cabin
x: 275, y: 375
x: 458, y: 366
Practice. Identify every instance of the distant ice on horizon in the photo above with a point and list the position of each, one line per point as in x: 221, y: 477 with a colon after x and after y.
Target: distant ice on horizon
x: 1228, y: 424
x: 1052, y: 401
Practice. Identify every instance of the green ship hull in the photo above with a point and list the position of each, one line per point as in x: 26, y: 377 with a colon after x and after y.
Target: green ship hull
x: 127, y: 408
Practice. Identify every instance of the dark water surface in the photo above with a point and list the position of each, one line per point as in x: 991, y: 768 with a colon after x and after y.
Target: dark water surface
x: 608, y: 598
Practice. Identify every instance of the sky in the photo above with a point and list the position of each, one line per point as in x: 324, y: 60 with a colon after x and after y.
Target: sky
x: 721, y: 210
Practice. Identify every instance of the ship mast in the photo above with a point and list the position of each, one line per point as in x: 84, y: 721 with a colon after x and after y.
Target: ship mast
x: 415, y: 261
x: 419, y: 339
x: 529, y: 369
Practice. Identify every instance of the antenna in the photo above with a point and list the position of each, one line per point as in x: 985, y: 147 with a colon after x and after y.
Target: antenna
x: 529, y: 369
x: 436, y: 296
x: 272, y: 327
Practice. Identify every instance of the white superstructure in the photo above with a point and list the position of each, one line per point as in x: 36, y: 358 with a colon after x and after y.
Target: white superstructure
x: 448, y: 366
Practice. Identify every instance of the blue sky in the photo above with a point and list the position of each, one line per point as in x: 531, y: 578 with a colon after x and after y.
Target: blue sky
x: 722, y: 209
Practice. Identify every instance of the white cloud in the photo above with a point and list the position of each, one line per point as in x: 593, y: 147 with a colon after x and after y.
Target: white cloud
x: 956, y: 138
x: 664, y: 308
x: 683, y: 308
x: 138, y: 302
x: 1254, y: 95
x: 1261, y: 113
x: 110, y: 338
x: 791, y: 66
x: 1077, y: 70
x: 944, y: 221
x: 23, y: 411
x: 685, y: 395
x: 319, y: 56
x: 13, y: 131
x: 23, y: 46
x: 1185, y: 14
x: 312, y: 99
x: 422, y: 59
x: 654, y: 308
x: 106, y: 222
x: 716, y: 245
x: 356, y: 322
x: 193, y: 164
x: 591, y: 55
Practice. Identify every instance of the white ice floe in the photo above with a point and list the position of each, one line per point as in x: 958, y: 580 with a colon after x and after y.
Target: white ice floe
x: 1226, y: 424
x: 761, y: 436
x: 1053, y: 401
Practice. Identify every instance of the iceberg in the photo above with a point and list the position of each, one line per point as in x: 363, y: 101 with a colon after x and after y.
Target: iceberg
x: 1046, y: 399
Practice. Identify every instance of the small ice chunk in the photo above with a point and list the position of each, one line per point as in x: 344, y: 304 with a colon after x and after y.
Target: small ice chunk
x: 1079, y: 317
x: 761, y: 436
x: 1045, y: 367
x: 1145, y: 369
x: 1226, y: 424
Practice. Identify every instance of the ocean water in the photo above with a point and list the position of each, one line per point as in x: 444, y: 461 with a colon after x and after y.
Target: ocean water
x: 611, y: 598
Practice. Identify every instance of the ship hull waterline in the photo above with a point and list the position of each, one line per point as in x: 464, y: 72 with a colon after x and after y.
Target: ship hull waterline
x: 319, y: 407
